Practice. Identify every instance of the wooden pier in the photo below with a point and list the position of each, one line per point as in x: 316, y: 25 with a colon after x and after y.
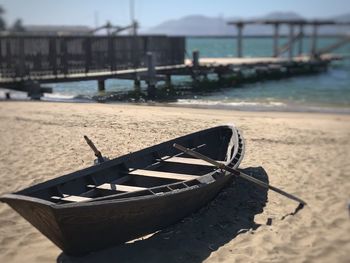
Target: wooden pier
x: 293, y: 38
x: 50, y: 59
x: 28, y: 61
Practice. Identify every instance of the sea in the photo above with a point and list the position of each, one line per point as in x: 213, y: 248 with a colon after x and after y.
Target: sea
x: 324, y: 92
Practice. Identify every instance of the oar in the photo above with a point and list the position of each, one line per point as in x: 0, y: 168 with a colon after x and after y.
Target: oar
x: 237, y: 173
x: 97, y: 153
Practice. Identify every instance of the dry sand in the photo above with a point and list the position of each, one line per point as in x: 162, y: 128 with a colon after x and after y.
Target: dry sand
x: 306, y: 154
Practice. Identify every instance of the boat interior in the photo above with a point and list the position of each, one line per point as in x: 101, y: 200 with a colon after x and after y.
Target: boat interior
x: 152, y: 171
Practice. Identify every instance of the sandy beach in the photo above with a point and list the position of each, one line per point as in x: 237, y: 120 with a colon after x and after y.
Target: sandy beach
x: 303, y: 153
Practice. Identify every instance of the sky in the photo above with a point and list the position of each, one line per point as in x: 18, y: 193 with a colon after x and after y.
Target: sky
x: 152, y: 12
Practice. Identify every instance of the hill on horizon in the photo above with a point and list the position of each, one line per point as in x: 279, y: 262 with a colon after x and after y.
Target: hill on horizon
x: 199, y: 25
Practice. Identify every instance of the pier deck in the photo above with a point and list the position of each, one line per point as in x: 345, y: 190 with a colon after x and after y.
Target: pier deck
x: 254, y: 61
x: 206, y: 64
x: 261, y: 68
x: 71, y: 77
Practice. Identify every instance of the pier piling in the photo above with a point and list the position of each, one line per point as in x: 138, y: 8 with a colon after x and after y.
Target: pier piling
x: 301, y: 34
x: 195, y: 65
x: 239, y: 39
x: 276, y: 39
x: 101, y: 85
x: 314, y: 39
x: 34, y: 89
x: 137, y: 85
x: 168, y: 80
x: 195, y: 59
x: 291, y: 41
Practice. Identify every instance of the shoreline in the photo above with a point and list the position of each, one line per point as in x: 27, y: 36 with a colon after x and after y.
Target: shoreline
x: 240, y: 107
x: 261, y: 107
x: 249, y: 106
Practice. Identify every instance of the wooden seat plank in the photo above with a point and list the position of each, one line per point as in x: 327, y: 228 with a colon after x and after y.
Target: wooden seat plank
x: 165, y: 175
x: 184, y: 160
x: 187, y: 161
x: 118, y: 187
x: 72, y: 198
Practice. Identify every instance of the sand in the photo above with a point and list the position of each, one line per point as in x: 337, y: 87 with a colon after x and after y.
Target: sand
x: 305, y: 154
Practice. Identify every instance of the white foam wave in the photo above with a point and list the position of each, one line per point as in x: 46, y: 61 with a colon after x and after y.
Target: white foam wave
x: 230, y: 103
x: 58, y: 96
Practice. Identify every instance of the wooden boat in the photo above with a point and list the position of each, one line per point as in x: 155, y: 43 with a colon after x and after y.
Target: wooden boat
x: 130, y: 196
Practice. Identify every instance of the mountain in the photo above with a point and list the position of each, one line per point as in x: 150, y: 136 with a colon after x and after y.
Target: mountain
x: 198, y: 25
x: 193, y: 25
x: 281, y: 15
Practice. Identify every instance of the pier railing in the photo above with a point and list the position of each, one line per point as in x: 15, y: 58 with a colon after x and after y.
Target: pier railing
x: 27, y: 56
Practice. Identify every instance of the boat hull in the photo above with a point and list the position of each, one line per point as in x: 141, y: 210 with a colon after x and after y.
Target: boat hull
x: 110, y: 217
x: 75, y: 229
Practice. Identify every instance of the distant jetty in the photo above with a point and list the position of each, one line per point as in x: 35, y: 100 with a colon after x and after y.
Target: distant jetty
x: 28, y: 61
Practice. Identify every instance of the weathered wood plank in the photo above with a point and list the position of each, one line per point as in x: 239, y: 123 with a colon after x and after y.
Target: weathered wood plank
x: 118, y: 187
x: 72, y: 198
x: 165, y: 175
x: 186, y: 161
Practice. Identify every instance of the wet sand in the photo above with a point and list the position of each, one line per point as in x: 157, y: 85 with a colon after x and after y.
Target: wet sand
x: 303, y: 153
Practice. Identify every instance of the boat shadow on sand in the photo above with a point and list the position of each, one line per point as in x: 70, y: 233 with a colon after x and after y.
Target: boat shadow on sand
x: 197, y: 236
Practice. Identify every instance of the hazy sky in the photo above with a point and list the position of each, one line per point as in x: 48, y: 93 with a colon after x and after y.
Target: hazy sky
x: 153, y: 12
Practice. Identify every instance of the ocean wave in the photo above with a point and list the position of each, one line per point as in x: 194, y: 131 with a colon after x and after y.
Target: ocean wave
x: 261, y: 106
x: 58, y: 96
x: 231, y: 103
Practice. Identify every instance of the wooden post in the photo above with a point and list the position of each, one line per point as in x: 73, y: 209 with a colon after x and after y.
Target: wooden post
x: 64, y: 56
x: 137, y: 85
x: 135, y: 51
x: 291, y: 46
x: 53, y: 55
x: 195, y: 59
x: 239, y: 39
x: 21, y: 66
x: 275, y: 39
x: 134, y: 27
x: 168, y: 80
x: 87, y: 54
x: 195, y: 64
x: 151, y: 89
x: 9, y: 63
x: 314, y: 40
x: 1, y: 58
x: 33, y: 89
x: 101, y: 85
x: 301, y: 33
x: 111, y: 53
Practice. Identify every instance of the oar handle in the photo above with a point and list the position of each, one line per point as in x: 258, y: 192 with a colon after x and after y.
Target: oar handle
x: 94, y: 149
x: 237, y: 173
